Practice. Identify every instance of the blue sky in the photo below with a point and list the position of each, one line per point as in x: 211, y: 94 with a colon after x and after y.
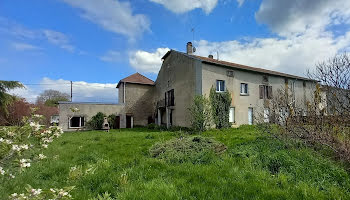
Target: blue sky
x: 95, y: 43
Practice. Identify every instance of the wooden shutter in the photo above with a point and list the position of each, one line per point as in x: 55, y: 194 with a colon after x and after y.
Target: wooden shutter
x: 261, y: 91
x: 269, y: 92
x: 166, y: 100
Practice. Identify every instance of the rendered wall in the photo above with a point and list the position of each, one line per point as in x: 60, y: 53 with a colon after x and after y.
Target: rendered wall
x: 211, y: 73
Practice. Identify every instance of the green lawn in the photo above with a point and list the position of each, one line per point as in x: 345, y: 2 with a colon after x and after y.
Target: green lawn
x: 253, y: 167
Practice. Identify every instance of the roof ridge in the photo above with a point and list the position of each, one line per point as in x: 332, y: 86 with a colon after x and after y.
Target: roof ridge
x: 145, y: 76
x: 257, y: 69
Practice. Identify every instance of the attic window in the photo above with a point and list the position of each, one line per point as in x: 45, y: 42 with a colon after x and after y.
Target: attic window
x: 230, y: 73
x: 265, y: 79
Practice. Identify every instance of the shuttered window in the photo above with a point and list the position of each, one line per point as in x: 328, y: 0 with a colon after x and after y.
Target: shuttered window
x: 169, y: 98
x: 265, y: 92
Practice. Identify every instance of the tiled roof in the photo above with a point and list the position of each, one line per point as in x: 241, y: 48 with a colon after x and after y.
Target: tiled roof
x: 249, y: 68
x: 136, y: 78
x: 238, y: 66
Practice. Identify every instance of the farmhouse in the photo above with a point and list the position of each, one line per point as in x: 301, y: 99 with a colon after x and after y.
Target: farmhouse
x: 181, y: 77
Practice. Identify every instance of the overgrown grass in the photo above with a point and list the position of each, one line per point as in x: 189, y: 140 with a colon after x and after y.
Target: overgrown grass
x: 119, y: 162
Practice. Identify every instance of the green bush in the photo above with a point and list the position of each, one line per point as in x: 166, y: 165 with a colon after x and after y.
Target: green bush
x: 96, y: 121
x: 196, y: 149
x: 111, y: 121
x: 200, y: 113
x: 220, y: 106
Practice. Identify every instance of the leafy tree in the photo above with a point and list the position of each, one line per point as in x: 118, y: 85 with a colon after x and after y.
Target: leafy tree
x: 220, y: 105
x: 52, y: 97
x: 5, y: 98
x: 200, y: 113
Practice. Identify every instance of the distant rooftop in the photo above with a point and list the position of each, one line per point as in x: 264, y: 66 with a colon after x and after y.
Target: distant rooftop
x: 136, y: 78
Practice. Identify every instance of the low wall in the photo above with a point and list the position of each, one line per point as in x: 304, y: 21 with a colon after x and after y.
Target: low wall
x: 88, y: 110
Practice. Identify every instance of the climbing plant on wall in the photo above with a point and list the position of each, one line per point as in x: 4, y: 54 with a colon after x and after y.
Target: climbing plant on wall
x: 220, y: 105
x: 200, y: 113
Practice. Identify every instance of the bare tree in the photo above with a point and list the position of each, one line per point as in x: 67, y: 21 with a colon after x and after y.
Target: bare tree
x: 51, y: 97
x: 323, y: 119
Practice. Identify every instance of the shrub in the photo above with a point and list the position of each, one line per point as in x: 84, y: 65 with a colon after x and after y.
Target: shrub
x: 200, y: 113
x: 96, y: 121
x: 196, y: 149
x: 152, y: 126
x: 111, y: 121
x: 220, y: 106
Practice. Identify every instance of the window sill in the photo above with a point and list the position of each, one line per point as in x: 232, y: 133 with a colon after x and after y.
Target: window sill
x: 220, y: 91
x: 244, y: 94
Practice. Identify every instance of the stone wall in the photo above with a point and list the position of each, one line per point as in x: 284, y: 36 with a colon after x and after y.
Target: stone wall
x: 88, y: 110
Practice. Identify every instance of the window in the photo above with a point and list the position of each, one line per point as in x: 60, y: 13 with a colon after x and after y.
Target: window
x: 265, y: 79
x: 76, y: 122
x: 250, y: 116
x: 232, y: 115
x: 220, y: 86
x: 266, y: 115
x: 169, y: 98
x: 244, y: 89
x: 265, y: 92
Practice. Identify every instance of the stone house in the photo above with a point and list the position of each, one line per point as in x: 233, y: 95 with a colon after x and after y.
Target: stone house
x: 182, y: 76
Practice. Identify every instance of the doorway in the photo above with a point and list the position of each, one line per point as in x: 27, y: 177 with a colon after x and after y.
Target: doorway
x: 250, y: 116
x: 117, y: 122
x: 128, y: 121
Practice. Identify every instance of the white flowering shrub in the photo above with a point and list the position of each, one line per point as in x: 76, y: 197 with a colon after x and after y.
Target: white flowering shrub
x: 39, y: 194
x: 20, y: 146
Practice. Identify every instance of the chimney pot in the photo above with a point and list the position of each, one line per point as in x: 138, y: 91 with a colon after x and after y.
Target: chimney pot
x: 211, y: 56
x: 189, y: 48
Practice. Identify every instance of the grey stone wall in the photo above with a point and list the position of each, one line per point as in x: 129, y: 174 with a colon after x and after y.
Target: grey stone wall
x: 88, y: 110
x: 139, y: 102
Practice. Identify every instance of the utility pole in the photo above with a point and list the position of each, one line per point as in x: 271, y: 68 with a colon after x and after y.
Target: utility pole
x: 71, y: 91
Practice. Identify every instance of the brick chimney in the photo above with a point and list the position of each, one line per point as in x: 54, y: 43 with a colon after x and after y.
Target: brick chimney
x: 189, y: 48
x: 211, y: 56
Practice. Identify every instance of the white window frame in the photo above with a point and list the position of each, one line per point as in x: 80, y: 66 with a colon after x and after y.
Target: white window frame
x: 79, y: 121
x: 244, y: 93
x: 232, y: 116
x: 266, y: 115
x: 218, y: 86
x: 252, y: 109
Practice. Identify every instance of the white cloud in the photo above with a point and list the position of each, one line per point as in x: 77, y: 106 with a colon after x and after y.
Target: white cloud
x: 58, y: 39
x: 144, y: 61
x: 22, y: 33
x: 291, y: 55
x: 182, y: 6
x: 240, y: 2
x: 24, y: 47
x: 294, y: 17
x: 112, y: 15
x: 82, y: 91
x: 111, y: 56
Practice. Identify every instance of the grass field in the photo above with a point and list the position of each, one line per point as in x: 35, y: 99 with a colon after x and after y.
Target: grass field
x: 118, y: 162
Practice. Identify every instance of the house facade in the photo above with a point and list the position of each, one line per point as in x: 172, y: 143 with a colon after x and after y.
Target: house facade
x: 184, y: 75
